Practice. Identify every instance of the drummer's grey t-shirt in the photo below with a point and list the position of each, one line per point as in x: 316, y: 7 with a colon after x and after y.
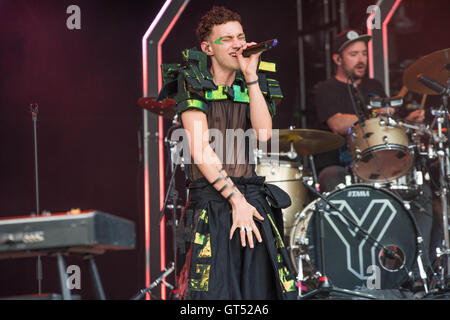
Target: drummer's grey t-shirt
x: 333, y: 96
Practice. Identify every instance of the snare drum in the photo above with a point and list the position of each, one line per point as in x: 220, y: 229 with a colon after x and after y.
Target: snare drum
x: 288, y: 176
x: 350, y: 258
x: 380, y: 150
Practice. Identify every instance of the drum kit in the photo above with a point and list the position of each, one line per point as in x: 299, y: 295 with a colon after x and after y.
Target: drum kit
x: 363, y: 234
x: 364, y: 230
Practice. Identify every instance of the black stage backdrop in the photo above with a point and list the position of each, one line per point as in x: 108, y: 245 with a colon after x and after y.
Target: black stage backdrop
x: 87, y: 82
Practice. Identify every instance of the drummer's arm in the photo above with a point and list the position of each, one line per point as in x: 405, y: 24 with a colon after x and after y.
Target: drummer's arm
x: 417, y: 116
x: 339, y: 123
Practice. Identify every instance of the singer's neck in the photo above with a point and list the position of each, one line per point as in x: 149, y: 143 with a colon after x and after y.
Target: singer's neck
x: 223, y: 77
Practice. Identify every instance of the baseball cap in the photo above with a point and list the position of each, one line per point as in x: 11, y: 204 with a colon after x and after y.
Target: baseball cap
x: 347, y: 37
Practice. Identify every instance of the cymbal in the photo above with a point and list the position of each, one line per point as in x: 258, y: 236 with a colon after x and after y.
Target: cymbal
x: 309, y: 141
x: 436, y: 66
x: 166, y: 108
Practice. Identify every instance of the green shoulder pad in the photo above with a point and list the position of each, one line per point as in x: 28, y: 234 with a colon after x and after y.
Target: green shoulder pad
x: 185, y: 82
x: 195, y: 56
x: 192, y: 104
x: 170, y: 73
x: 195, y: 71
x: 267, y: 66
x: 187, y: 99
x: 271, y: 91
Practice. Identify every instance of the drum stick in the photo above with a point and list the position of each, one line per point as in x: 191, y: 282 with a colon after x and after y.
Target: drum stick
x: 424, y: 98
x: 403, y: 92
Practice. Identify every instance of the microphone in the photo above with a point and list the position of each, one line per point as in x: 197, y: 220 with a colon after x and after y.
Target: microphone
x: 431, y: 84
x: 260, y: 47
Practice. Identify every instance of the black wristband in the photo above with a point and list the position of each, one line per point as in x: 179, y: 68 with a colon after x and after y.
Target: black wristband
x: 252, y: 82
x: 231, y: 194
x: 224, y: 187
x: 218, y: 179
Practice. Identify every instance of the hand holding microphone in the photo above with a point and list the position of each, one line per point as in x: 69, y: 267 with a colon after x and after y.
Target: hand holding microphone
x: 248, y: 57
x: 260, y: 47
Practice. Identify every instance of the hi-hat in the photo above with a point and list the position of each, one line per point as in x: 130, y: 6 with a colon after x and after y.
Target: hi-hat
x: 166, y: 108
x: 309, y: 141
x: 435, y: 66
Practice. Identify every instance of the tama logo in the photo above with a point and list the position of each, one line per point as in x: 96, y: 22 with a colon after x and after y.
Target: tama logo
x: 358, y: 193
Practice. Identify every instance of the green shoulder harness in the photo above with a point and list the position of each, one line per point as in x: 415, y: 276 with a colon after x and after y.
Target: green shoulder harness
x: 191, y: 84
x: 186, y: 82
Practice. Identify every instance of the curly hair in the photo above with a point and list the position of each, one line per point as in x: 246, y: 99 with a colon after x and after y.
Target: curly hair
x: 215, y: 16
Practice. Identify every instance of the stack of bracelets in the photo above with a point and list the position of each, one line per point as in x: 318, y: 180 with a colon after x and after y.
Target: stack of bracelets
x: 228, y: 183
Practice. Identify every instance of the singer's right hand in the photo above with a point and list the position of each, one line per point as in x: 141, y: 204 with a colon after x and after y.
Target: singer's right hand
x: 248, y: 66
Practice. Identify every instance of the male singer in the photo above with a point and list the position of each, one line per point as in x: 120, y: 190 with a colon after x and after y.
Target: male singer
x: 232, y: 244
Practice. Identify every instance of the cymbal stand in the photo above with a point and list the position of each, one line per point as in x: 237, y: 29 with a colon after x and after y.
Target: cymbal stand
x: 314, y: 172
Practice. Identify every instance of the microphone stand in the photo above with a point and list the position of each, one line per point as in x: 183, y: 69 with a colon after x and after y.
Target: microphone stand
x: 350, y: 88
x: 142, y: 292
x: 34, y: 108
x: 172, y: 193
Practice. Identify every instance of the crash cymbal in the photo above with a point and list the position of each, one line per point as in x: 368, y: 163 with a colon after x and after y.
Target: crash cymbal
x: 309, y: 141
x: 166, y: 108
x: 436, y: 66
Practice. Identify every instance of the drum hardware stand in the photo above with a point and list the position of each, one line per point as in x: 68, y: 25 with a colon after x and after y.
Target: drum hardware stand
x: 300, y: 276
x: 173, y: 194
x: 314, y: 172
x: 444, y: 168
x: 291, y: 154
x: 443, y: 157
x: 422, y: 272
x: 155, y: 283
x: 352, y: 86
x: 441, y: 117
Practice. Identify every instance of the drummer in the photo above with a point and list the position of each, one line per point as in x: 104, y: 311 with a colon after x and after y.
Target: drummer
x: 334, y: 108
x: 336, y: 113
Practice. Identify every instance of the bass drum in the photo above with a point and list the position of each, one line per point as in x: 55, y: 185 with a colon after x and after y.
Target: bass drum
x: 353, y: 261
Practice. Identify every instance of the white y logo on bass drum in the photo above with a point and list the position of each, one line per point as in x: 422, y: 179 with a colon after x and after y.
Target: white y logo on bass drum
x: 368, y: 221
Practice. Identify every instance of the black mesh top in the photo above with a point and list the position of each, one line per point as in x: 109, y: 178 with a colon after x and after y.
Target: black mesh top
x: 233, y: 151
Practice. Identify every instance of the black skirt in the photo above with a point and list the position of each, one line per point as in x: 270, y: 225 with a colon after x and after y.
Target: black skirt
x: 215, y: 267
